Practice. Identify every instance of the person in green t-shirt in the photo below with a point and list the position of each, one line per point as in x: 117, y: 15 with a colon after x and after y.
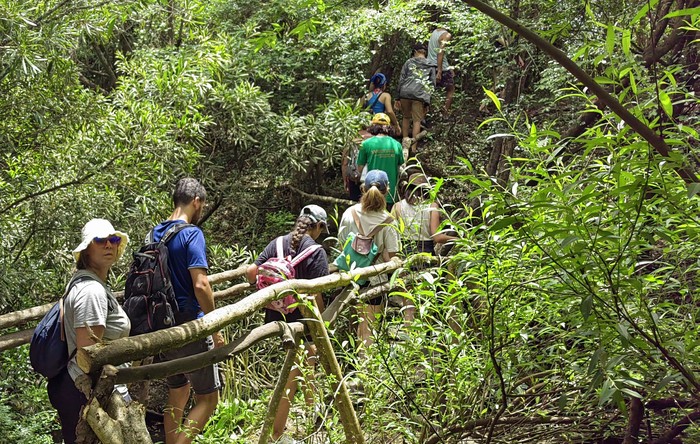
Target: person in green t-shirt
x: 382, y: 152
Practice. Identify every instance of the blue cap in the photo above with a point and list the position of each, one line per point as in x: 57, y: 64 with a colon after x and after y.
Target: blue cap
x: 378, y: 79
x: 377, y: 178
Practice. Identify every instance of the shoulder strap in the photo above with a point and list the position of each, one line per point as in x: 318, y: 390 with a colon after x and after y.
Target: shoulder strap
x: 280, y: 247
x: 357, y: 222
x: 376, y: 229
x: 173, y: 231
x: 308, y: 251
x: 376, y: 98
x: 71, y: 284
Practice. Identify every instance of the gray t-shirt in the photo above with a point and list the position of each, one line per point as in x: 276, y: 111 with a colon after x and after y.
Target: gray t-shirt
x: 434, y: 49
x: 90, y: 303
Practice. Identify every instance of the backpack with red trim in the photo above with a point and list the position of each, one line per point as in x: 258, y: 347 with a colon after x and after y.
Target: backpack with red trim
x: 281, y: 268
x: 149, y: 297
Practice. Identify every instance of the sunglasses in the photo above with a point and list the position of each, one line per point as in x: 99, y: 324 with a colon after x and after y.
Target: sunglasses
x: 114, y: 240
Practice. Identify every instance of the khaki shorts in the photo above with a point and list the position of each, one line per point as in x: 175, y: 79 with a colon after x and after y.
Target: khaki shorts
x: 414, y: 108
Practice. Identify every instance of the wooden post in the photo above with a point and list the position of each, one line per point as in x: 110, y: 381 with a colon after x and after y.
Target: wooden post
x: 277, y: 395
x: 317, y: 328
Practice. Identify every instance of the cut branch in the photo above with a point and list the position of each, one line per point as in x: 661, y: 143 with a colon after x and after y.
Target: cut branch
x: 634, y: 422
x: 277, y: 395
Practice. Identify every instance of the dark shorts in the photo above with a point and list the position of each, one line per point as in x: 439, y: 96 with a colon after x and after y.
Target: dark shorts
x: 203, y: 381
x: 295, y: 316
x: 354, y: 192
x: 413, y: 247
x: 447, y: 79
x: 377, y: 300
x: 67, y: 400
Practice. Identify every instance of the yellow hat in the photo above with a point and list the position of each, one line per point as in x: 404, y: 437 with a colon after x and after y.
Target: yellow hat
x: 381, y: 119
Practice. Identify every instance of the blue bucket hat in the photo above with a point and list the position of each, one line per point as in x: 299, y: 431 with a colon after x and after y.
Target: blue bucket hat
x: 377, y: 178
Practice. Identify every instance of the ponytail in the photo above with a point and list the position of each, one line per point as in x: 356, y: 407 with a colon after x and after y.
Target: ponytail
x: 373, y: 199
x: 302, y: 225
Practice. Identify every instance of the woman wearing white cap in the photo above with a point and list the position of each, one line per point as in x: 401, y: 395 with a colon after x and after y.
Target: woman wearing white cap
x: 312, y: 221
x: 91, y: 314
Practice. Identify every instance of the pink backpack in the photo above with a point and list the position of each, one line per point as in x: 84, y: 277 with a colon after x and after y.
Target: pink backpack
x: 281, y: 268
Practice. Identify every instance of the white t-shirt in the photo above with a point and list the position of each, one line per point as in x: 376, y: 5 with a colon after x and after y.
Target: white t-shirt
x: 416, y: 219
x: 90, y: 303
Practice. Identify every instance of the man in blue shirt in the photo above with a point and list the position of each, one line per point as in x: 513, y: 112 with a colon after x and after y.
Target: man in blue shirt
x: 187, y: 260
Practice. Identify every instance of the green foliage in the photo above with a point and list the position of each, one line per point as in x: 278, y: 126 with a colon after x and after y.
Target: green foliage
x: 573, y: 293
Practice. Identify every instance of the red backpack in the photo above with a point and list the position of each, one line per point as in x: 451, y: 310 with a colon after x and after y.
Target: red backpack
x: 281, y: 268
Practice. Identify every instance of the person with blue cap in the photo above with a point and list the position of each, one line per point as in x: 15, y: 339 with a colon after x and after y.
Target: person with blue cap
x: 377, y: 100
x: 363, y: 218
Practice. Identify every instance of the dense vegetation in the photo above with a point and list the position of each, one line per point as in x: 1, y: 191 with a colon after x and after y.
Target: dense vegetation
x: 568, y: 310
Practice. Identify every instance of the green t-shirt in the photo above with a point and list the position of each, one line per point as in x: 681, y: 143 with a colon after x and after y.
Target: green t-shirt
x: 383, y: 153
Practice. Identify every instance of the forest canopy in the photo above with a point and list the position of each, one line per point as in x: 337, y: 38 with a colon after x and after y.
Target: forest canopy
x: 566, y: 311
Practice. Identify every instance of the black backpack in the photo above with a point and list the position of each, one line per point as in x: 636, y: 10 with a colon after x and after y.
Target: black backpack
x: 149, y: 297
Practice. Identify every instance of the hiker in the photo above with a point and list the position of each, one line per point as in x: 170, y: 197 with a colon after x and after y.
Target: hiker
x: 187, y: 261
x: 351, y: 175
x: 377, y: 100
x: 415, y: 88
x: 90, y: 314
x: 382, y: 152
x: 421, y: 220
x: 370, y: 213
x: 444, y: 75
x: 311, y: 222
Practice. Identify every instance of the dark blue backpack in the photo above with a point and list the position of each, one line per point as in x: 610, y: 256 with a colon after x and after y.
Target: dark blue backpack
x: 48, y: 350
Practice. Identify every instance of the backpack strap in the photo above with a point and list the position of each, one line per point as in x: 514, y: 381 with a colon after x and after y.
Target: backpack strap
x: 370, y: 104
x: 70, y: 286
x: 357, y: 222
x: 280, y: 247
x: 172, y: 231
x: 301, y: 257
x: 376, y: 229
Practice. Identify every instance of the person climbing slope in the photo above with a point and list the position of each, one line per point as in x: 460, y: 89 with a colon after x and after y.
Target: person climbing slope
x: 415, y: 88
x: 312, y: 221
x: 382, y: 152
x: 377, y: 100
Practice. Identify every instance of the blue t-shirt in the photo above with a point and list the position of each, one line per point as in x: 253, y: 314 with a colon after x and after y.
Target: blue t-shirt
x: 186, y: 250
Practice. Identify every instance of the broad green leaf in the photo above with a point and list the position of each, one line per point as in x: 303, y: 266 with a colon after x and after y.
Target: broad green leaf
x: 610, y: 40
x: 494, y: 98
x: 666, y: 103
x: 642, y: 12
x: 682, y: 12
x: 626, y: 41
x: 693, y: 189
x: 586, y: 306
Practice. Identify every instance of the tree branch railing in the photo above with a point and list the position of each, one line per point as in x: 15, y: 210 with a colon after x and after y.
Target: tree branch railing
x: 94, y: 357
x: 16, y: 339
x: 102, y: 424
